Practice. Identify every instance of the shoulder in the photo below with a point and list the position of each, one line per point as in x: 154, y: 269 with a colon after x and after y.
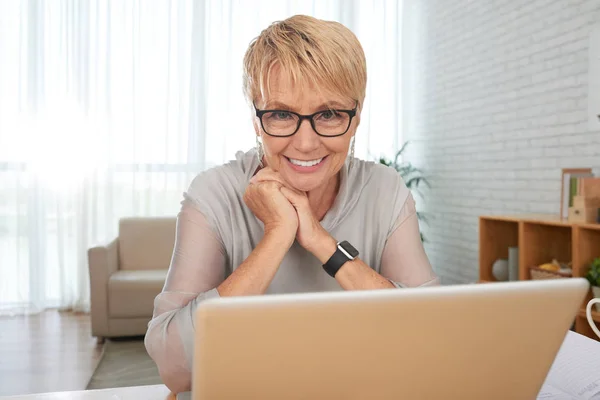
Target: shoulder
x: 219, y: 188
x: 382, y: 196
x: 227, y: 178
x: 377, y: 182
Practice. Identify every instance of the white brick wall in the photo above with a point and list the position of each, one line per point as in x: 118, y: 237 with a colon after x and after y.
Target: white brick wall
x: 496, y: 95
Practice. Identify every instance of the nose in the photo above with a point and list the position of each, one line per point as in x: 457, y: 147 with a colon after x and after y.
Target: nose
x: 306, y: 139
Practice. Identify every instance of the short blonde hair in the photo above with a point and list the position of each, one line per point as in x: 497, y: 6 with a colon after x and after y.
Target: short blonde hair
x: 310, y: 50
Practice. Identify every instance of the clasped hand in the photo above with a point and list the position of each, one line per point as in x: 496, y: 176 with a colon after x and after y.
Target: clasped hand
x: 283, y: 209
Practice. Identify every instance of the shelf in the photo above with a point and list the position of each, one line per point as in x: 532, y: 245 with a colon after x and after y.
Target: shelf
x: 587, y: 248
x: 595, y: 315
x: 541, y: 243
x: 595, y: 227
x: 524, y: 217
x: 541, y: 219
x: 495, y: 237
x: 540, y: 238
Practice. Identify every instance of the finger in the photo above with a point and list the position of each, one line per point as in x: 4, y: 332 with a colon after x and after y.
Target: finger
x: 266, y: 177
x: 273, y: 176
x: 268, y: 187
x: 265, y: 172
x: 298, y: 199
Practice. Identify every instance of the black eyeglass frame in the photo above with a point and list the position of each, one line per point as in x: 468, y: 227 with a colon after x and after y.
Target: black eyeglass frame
x: 351, y: 114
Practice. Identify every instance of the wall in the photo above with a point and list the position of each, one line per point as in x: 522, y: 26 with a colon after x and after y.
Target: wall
x: 496, y: 98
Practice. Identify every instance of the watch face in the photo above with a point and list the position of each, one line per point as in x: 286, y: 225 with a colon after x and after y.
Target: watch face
x: 348, y: 248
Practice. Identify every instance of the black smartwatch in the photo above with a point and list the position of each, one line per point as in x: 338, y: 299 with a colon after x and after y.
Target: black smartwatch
x: 344, y: 252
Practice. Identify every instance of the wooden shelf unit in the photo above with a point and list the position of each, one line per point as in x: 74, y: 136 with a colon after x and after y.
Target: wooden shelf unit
x: 540, y: 238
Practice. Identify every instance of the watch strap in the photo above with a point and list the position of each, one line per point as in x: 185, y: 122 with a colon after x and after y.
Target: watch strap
x: 335, y: 262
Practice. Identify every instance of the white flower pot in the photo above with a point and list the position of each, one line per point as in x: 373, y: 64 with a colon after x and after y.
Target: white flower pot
x: 596, y: 291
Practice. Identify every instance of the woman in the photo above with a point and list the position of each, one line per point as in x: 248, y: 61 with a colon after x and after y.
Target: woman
x: 270, y: 221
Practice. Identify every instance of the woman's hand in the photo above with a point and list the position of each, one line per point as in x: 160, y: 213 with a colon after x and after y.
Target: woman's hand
x: 266, y: 201
x: 313, y: 237
x: 309, y: 230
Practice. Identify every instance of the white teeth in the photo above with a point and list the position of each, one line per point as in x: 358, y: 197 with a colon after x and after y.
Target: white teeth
x: 305, y: 163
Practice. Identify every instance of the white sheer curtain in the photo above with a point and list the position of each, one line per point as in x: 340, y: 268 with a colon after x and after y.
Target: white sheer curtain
x: 109, y: 108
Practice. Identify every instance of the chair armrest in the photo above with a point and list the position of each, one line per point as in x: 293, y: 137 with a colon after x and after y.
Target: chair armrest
x: 103, y: 262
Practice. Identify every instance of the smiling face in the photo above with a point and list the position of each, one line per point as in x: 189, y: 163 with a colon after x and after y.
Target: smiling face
x: 305, y: 160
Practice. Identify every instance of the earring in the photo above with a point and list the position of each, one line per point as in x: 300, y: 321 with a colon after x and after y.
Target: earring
x: 351, y: 153
x: 260, y: 152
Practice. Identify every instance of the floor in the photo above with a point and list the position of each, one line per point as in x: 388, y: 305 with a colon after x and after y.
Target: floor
x: 51, y: 351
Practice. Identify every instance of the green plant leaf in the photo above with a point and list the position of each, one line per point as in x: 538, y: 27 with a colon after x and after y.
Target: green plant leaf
x: 593, y: 274
x: 384, y: 162
x: 421, y: 216
x: 399, y: 153
x: 413, y: 177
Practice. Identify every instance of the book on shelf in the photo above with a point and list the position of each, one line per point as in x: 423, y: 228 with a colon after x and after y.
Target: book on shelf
x: 572, y: 186
x: 589, y: 187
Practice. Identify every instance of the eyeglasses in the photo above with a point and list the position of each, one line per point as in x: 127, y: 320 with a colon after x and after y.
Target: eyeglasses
x: 284, y: 123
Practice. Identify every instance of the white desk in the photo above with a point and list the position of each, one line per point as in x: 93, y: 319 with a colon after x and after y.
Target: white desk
x: 152, y: 392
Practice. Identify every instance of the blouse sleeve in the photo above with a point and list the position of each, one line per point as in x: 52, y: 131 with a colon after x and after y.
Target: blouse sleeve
x: 404, y: 261
x: 197, y: 268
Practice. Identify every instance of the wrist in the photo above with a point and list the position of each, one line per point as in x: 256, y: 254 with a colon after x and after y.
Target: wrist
x: 323, y: 247
x: 280, y: 236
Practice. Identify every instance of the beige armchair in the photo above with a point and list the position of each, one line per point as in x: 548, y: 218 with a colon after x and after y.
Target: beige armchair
x: 127, y: 274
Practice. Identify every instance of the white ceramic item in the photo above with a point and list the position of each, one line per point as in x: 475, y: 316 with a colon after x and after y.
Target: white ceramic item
x: 588, y: 309
x: 513, y: 263
x: 596, y: 292
x: 500, y: 269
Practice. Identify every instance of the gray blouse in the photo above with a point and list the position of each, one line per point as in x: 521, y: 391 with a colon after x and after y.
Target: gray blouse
x: 216, y: 232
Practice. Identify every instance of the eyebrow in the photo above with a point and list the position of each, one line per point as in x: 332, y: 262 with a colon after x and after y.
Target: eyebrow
x: 277, y: 105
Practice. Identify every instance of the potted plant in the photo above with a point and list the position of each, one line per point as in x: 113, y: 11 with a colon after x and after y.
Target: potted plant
x: 593, y: 276
x: 413, y: 177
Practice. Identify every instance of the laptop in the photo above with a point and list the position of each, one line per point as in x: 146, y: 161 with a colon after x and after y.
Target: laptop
x: 475, y: 341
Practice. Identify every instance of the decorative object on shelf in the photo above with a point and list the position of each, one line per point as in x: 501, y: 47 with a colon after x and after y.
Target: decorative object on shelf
x: 500, y: 269
x: 571, y: 180
x: 585, y: 201
x: 551, y: 270
x: 589, y: 187
x: 583, y: 196
x: 585, y: 209
x: 513, y: 263
x: 593, y: 277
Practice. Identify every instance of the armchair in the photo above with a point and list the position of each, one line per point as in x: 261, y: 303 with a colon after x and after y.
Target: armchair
x: 127, y: 274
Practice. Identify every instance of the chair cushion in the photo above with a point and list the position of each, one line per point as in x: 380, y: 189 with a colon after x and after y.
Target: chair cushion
x: 146, y: 243
x: 132, y: 293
